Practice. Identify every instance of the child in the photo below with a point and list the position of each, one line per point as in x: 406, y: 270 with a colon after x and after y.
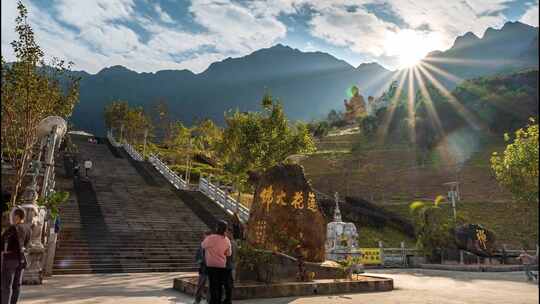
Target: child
x: 203, y: 276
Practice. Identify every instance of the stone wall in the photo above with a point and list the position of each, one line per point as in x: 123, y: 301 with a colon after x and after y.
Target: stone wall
x: 284, y: 268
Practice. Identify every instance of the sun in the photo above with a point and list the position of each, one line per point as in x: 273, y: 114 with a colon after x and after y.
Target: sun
x: 410, y: 56
x: 411, y: 46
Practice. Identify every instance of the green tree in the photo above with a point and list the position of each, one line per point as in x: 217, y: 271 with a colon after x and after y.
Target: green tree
x: 368, y: 125
x: 259, y: 140
x: 160, y: 119
x: 115, y: 114
x: 31, y: 91
x: 136, y: 123
x: 434, y: 226
x: 207, y: 136
x: 318, y: 129
x: 180, y: 136
x: 517, y: 169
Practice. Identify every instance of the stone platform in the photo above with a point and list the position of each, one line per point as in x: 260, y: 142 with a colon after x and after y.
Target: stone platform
x: 476, y: 267
x: 250, y: 290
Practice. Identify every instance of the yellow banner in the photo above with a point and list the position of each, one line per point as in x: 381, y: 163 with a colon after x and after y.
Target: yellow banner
x: 370, y: 256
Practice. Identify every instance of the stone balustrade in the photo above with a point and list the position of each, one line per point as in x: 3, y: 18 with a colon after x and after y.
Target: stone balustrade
x: 111, y: 139
x: 132, y: 152
x: 167, y: 172
x: 224, y: 200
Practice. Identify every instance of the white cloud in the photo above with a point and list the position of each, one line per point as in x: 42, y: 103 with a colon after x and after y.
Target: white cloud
x: 358, y: 30
x: 451, y: 18
x: 93, y: 12
x: 9, y: 9
x: 235, y: 29
x: 348, y: 23
x: 98, y: 36
x: 163, y: 15
x: 531, y: 15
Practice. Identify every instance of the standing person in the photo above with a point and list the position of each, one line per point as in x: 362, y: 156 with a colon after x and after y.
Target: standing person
x: 87, y: 166
x: 528, y: 260
x: 203, y: 275
x: 230, y: 265
x: 237, y: 227
x: 76, y: 169
x: 217, y: 247
x: 13, y: 242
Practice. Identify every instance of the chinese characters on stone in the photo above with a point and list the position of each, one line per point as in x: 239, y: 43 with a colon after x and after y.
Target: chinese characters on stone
x: 270, y: 197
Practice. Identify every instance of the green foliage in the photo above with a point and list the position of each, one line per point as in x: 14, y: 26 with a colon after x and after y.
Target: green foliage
x: 517, y: 169
x: 180, y: 136
x: 134, y: 121
x: 31, y: 90
x: 346, y: 265
x: 260, y: 140
x: 259, y: 261
x: 115, y: 114
x: 53, y: 201
x: 159, y: 116
x: 336, y: 119
x: 285, y: 242
x: 434, y: 225
x: 207, y: 137
x: 368, y: 125
x: 319, y: 129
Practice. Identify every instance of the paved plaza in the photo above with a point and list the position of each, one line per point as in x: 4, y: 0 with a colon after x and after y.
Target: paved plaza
x: 411, y: 286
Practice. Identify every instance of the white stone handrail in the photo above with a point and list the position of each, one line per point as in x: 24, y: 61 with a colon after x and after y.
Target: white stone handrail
x: 169, y: 174
x: 111, y: 139
x: 132, y: 152
x: 223, y: 199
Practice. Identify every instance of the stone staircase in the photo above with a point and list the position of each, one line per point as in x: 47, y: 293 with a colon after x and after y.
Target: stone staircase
x: 127, y: 218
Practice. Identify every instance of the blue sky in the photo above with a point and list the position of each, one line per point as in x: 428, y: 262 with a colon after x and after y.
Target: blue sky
x: 147, y: 36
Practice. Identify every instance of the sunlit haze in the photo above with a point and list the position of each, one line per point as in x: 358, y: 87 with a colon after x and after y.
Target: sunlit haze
x: 410, y: 46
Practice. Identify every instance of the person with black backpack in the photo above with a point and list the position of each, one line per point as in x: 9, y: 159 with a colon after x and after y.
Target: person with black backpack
x: 14, y: 241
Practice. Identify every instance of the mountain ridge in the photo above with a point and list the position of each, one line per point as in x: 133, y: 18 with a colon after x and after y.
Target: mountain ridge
x: 309, y: 84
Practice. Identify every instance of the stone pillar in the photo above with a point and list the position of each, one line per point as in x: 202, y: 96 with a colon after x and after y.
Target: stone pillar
x: 403, y: 254
x: 381, y: 248
x: 49, y: 161
x: 51, y: 251
x: 35, y: 218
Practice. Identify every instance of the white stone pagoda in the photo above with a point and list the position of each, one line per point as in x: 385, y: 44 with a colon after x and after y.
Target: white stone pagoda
x: 341, y: 237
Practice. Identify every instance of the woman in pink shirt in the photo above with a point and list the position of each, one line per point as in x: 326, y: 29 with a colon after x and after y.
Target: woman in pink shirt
x: 217, y: 247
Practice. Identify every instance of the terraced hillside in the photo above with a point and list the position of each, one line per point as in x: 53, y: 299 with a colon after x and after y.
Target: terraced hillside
x: 388, y: 177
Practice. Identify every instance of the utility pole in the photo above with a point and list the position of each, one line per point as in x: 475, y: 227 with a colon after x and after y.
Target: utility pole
x: 453, y: 195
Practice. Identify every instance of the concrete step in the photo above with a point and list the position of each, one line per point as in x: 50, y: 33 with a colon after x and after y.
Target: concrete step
x: 125, y: 270
x: 114, y: 263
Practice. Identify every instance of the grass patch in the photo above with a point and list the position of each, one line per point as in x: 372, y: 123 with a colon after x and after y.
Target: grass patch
x: 512, y: 223
x: 370, y: 237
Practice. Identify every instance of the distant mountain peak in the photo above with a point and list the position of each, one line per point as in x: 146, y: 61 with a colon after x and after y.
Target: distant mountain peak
x: 280, y: 46
x: 115, y: 69
x: 370, y: 65
x: 516, y: 25
x: 465, y: 40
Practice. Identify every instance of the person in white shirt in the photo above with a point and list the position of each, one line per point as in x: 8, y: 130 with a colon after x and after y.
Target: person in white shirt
x: 87, y: 166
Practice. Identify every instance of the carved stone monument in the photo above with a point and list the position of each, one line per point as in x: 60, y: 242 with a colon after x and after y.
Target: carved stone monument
x: 355, y: 107
x: 476, y: 239
x: 285, y: 215
x: 340, y: 236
